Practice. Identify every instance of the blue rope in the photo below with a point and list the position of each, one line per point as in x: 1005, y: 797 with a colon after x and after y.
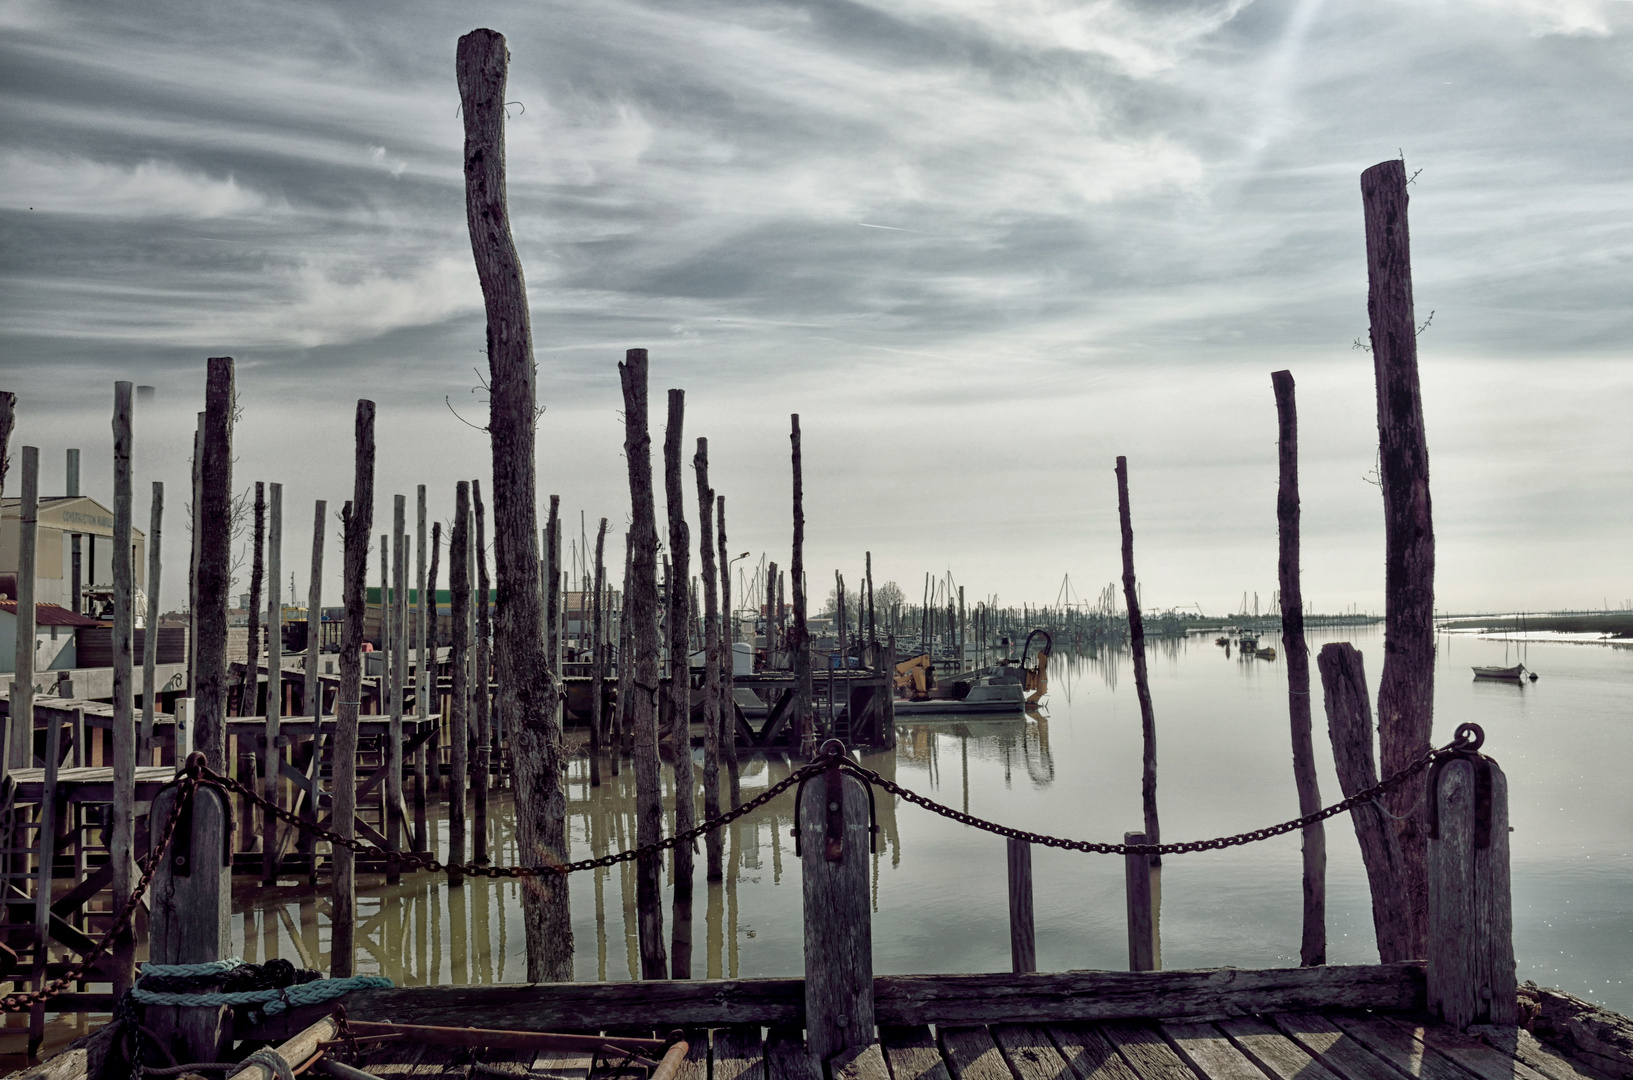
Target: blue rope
x: 273, y: 1001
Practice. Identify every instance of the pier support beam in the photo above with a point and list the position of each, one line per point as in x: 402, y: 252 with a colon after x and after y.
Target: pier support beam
x: 192, y: 903
x: 833, y: 823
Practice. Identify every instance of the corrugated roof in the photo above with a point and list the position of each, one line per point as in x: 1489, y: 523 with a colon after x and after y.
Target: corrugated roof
x: 52, y: 615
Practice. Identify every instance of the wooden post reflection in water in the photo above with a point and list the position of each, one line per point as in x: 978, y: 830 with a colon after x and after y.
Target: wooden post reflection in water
x: 732, y: 870
x: 457, y: 944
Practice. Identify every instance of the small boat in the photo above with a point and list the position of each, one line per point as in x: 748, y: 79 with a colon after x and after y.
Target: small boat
x: 1514, y: 674
x: 1222, y: 641
x: 1265, y: 654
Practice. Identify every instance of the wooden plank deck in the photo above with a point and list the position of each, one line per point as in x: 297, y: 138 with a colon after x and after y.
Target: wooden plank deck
x: 1322, y: 1045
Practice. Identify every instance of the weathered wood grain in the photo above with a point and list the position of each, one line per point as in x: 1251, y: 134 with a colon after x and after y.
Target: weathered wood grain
x: 295, y: 1051
x: 1471, y: 924
x: 787, y: 1058
x: 459, y: 660
x: 859, y: 1063
x: 272, y: 751
x: 679, y: 687
x: 1030, y: 1052
x: 1142, y: 915
x: 150, y: 639
x: 1399, y: 1046
x: 1210, y: 1053
x: 713, y: 703
x: 1338, y: 1051
x: 839, y: 1008
x: 214, y: 538
x: 122, y: 826
x: 1467, y: 1051
x: 1089, y: 1054
x: 1023, y: 949
x: 972, y: 1055
x: 1144, y: 1049
x: 738, y: 1053
x: 20, y: 726
x: 1521, y: 1045
x: 912, y: 1053
x: 1272, y: 1051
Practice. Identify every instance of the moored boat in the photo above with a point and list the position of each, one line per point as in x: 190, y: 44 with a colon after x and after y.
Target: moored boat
x: 1514, y: 674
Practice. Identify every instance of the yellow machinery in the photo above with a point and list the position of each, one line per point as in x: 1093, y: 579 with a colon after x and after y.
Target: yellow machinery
x: 916, y: 676
x: 1035, y: 678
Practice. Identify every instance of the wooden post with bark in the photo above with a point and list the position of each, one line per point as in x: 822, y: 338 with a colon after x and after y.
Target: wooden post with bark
x: 1148, y: 721
x: 713, y: 706
x: 459, y: 593
x: 432, y: 641
x: 1406, y: 689
x: 392, y: 603
x: 1296, y: 653
x: 191, y: 898
x: 312, y: 690
x: 598, y: 655
x: 358, y: 518
x: 424, y: 674
x: 272, y: 750
x: 680, y: 683
x: 20, y: 749
x: 799, y: 642
x: 529, y: 683
x: 1023, y: 951
x: 478, y: 698
x: 1470, y: 971
x: 1349, y: 726
x: 249, y: 701
x: 122, y: 827
x: 150, y: 637
x: 214, y: 562
x: 728, y: 672
x: 640, y: 662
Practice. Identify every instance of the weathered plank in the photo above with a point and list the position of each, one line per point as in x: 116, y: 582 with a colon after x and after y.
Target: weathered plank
x: 1089, y: 1054
x: 911, y: 1053
x: 739, y: 1053
x: 1399, y: 1046
x: 1466, y: 1050
x: 972, y: 1055
x: 859, y: 1063
x: 1210, y: 1054
x: 563, y: 1065
x: 1523, y: 1046
x: 695, y: 1066
x: 295, y: 1051
x: 1030, y: 1053
x: 1339, y: 1052
x: 1272, y: 1051
x: 786, y: 1057
x: 1145, y: 1050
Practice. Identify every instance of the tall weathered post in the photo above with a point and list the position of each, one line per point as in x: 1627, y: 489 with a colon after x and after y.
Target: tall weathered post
x: 713, y: 706
x: 481, y: 700
x: 214, y: 539
x: 1296, y: 652
x: 728, y: 702
x: 598, y: 655
x: 122, y: 828
x: 424, y: 677
x: 248, y: 696
x: 1471, y: 924
x: 834, y: 839
x: 638, y: 666
x: 459, y: 593
x: 1148, y: 722
x: 799, y: 640
x: 529, y: 683
x: 680, y: 684
x: 358, y: 518
x: 20, y: 754
x: 150, y: 636
x: 1406, y: 689
x: 273, y: 750
x: 393, y: 622
x: 191, y: 899
x: 312, y: 692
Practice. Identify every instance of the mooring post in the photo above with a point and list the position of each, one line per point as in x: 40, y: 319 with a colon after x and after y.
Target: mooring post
x: 1471, y: 925
x: 122, y: 823
x: 272, y: 753
x: 1023, y: 952
x: 192, y: 903
x: 21, y: 741
x: 1142, y: 921
x: 834, y: 834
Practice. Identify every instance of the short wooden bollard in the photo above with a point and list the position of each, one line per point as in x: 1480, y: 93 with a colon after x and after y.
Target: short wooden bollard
x: 833, y: 823
x: 192, y: 902
x: 1023, y: 953
x: 1143, y: 954
x: 1471, y: 925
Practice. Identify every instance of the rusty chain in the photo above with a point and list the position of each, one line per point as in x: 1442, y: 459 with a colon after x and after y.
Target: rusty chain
x: 24, y: 1000
x: 1468, y: 739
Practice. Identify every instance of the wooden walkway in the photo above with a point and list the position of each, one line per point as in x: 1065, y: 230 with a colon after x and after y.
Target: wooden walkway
x: 1325, y: 1045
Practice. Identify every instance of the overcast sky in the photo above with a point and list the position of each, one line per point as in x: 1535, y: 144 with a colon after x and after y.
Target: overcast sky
x: 981, y: 246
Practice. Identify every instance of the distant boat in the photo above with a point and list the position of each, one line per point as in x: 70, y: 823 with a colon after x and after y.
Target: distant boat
x: 1514, y: 674
x: 1265, y: 654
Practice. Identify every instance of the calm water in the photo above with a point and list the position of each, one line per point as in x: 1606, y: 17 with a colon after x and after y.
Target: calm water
x: 940, y: 896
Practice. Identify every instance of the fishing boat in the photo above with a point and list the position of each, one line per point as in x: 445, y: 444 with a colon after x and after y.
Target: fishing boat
x: 1265, y: 654
x: 1514, y: 674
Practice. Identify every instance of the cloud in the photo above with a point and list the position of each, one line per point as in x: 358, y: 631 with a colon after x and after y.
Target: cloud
x: 146, y: 189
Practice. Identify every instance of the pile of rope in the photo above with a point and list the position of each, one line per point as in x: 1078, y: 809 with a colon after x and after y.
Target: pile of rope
x: 271, y: 987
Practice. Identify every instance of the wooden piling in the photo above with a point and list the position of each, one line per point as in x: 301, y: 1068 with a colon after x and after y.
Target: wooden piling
x: 598, y: 655
x: 122, y: 827
x: 479, y: 700
x: 196, y: 529
x: 272, y: 751
x: 528, y: 682
x: 150, y: 637
x: 214, y: 537
x: 799, y: 641
x: 21, y: 749
x: 680, y: 684
x: 713, y: 706
x: 1143, y: 949
x: 833, y: 824
x: 1023, y: 953
x: 191, y: 905
x: 312, y: 691
x: 1470, y: 969
x: 1349, y: 726
x: 1148, y: 722
x: 434, y: 643
x: 358, y: 518
x: 1406, y: 688
x: 1296, y: 653
x: 249, y: 703
x: 639, y: 709
x: 424, y: 674
x: 728, y: 672
x: 392, y: 604
x: 459, y: 591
